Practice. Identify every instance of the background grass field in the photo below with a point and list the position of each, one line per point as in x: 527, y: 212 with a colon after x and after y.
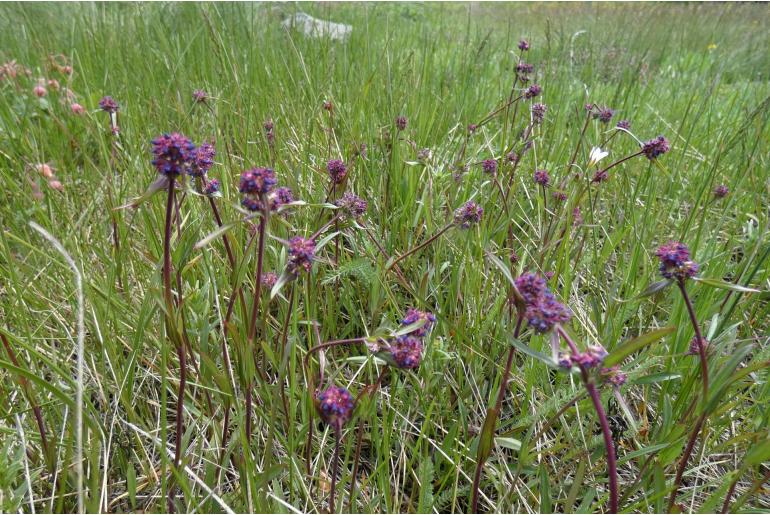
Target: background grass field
x: 698, y: 74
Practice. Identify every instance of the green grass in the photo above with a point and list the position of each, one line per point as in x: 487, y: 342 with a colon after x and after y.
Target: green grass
x: 698, y: 74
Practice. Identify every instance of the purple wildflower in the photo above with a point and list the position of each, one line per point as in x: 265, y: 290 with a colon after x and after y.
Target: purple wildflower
x: 532, y: 91
x: 513, y: 257
x: 604, y: 114
x: 108, y: 105
x: 301, y: 254
x: 472, y: 128
x: 624, y: 124
x: 523, y: 45
x: 337, y: 170
x: 538, y: 112
x: 512, y: 157
x: 268, y: 125
x: 328, y: 106
x: 600, y: 176
x: 655, y: 147
x: 352, y: 205
x: 489, y: 166
x: 269, y: 279
x: 251, y: 203
x: 675, y: 261
x: 614, y: 376
x: 406, y: 351
x: 173, y: 153
x: 468, y: 214
x: 200, y: 96
x: 201, y: 160
x: 211, y: 187
x: 257, y: 181
x: 694, y: 349
x: 279, y: 197
x: 559, y: 196
x: 544, y: 314
x: 336, y: 405
x: 531, y: 286
x: 524, y: 68
x: 577, y: 217
x: 542, y: 178
x: 721, y: 191
x: 413, y: 316
x: 590, y: 358
x: 401, y: 122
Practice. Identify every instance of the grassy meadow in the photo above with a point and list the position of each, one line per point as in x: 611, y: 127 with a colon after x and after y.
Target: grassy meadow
x: 96, y: 334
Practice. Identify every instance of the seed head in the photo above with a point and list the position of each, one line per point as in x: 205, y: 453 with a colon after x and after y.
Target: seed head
x: 512, y: 157
x: 413, y: 316
x: 538, y: 112
x: 542, y: 178
x: 328, y: 106
x: 675, y: 261
x: 108, y: 105
x: 721, y: 191
x: 401, y: 122
x: 337, y: 170
x: 257, y: 181
x: 336, y: 405
x: 489, y: 166
x: 301, y: 255
x: 468, y: 214
x: 173, y: 154
x: 655, y: 147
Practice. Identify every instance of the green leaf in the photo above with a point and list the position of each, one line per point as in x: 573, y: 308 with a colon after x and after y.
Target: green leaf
x: 635, y: 344
x: 219, y: 231
x: 487, y: 435
x: 758, y: 454
x: 529, y: 351
x: 718, y: 283
x: 655, y: 288
x: 508, y: 443
x: 157, y: 185
x: 642, y: 452
x: 425, y: 502
x: 657, y: 378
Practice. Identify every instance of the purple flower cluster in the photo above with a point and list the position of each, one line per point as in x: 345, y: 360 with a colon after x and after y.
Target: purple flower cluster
x: 269, y: 279
x: 301, y: 255
x: 336, y: 404
x: 512, y: 158
x: 468, y: 214
x: 523, y: 68
x: 279, y: 197
x: 200, y: 96
x: 202, y: 159
x: 538, y: 112
x: 532, y: 91
x: 559, y: 196
x: 604, y: 114
x: 523, y: 45
x: 542, y: 310
x: 489, y: 166
x: 600, y: 176
x: 721, y: 191
x: 269, y: 134
x: 401, y: 122
x: 623, y: 124
x: 655, y: 147
x: 352, y: 205
x: 542, y: 178
x: 257, y: 181
x: 675, y: 262
x: 173, y: 154
x: 413, y: 316
x: 406, y: 351
x: 614, y: 376
x: 108, y: 104
x: 590, y: 358
x: 694, y: 348
x: 211, y: 187
x: 337, y: 170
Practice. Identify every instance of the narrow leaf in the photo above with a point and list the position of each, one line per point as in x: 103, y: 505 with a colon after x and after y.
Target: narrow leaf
x: 718, y: 283
x: 635, y: 344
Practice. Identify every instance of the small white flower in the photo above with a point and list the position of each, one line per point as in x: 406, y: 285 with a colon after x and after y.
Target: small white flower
x: 596, y: 155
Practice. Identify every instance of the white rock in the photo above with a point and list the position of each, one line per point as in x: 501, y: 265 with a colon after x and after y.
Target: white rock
x: 310, y: 26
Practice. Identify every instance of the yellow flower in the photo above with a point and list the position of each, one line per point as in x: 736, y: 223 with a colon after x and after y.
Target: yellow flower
x: 712, y: 46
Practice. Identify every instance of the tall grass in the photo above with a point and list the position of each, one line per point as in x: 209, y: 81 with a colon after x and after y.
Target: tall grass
x: 695, y: 73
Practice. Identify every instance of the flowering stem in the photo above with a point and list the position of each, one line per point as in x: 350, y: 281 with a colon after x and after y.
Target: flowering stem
x: 422, y: 245
x: 325, y: 226
x: 699, y: 336
x: 254, y: 314
x: 619, y: 161
x: 494, y: 113
x: 685, y: 458
x: 609, y: 446
x: 493, y: 413
x: 167, y: 246
x: 335, y: 466
x: 580, y: 141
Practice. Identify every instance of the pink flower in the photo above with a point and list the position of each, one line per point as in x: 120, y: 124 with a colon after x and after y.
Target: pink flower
x: 77, y: 108
x: 40, y: 91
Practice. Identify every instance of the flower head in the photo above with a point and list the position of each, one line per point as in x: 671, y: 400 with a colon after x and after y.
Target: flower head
x: 77, y: 108
x: 301, y: 254
x: 352, y: 205
x: 590, y: 358
x: 512, y: 157
x: 721, y: 191
x: 532, y: 91
x: 559, y: 196
x: 531, y: 286
x: 523, y: 68
x: 675, y: 261
x: 655, y: 147
x: 173, y: 153
x: 542, y: 178
x: 604, y: 114
x: 596, y: 155
x: 337, y: 170
x: 468, y: 214
x: 401, y: 122
x: 328, y: 106
x: 212, y: 187
x: 406, y: 351
x: 202, y: 159
x: 538, y: 112
x: 600, y: 176
x: 336, y: 405
x: 413, y: 316
x: 614, y: 376
x: 424, y: 155
x: 544, y: 314
x: 279, y: 197
x: 695, y: 346
x: 200, y: 96
x: 623, y: 124
x: 39, y: 91
x: 107, y: 104
x: 489, y: 166
x: 257, y: 181
x: 269, y: 279
x: 523, y: 45
x: 472, y: 128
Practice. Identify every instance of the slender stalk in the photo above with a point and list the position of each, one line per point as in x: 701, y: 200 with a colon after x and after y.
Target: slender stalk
x: 422, y: 245
x: 335, y: 466
x: 699, y: 336
x: 167, y: 246
x: 619, y: 161
x: 252, y: 334
x: 494, y: 413
x: 580, y: 141
x: 684, y: 459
